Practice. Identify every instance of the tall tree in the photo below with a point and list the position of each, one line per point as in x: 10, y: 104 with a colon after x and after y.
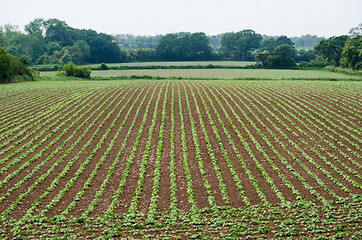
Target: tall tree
x: 36, y: 27
x: 184, y: 46
x: 268, y: 44
x: 331, y: 49
x: 284, y: 40
x: 58, y: 31
x: 240, y: 45
x: 283, y: 57
x: 356, y: 31
x: 352, y: 54
x: 169, y: 47
x: 197, y: 47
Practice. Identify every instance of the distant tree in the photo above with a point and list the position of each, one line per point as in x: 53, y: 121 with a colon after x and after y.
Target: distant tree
x: 103, y: 49
x: 169, y: 48
x: 331, y: 49
x: 77, y: 71
x: 184, y: 46
x: 58, y: 31
x: 306, y: 55
x: 71, y: 54
x: 356, y: 31
x: 240, y: 45
x: 36, y: 27
x: 197, y: 47
x: 145, y: 55
x: 282, y: 57
x: 31, y: 46
x: 284, y: 40
x: 85, y: 50
x: 263, y: 57
x: 306, y: 41
x: 10, y: 65
x: 352, y: 54
x: 2, y: 37
x: 51, y: 47
x: 4, y: 65
x: 103, y: 67
x: 215, y: 41
x: 268, y: 44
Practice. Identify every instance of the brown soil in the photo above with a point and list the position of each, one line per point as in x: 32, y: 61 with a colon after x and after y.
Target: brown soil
x: 252, y: 99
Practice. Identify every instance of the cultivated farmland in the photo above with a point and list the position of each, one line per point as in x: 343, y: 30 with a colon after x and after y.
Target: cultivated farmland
x: 263, y: 74
x: 188, y: 159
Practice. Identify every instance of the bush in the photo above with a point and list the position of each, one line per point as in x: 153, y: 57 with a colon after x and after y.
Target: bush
x: 76, y: 71
x: 103, y: 67
x: 318, y: 63
x: 56, y: 67
x: 12, y: 67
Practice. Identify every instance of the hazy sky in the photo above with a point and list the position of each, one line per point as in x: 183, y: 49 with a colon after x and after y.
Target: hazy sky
x: 149, y: 17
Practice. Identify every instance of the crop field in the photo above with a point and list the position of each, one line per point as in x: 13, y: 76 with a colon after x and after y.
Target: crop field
x: 221, y: 74
x: 181, y: 159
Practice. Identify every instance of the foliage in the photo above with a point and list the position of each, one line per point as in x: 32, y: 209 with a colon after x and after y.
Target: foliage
x: 131, y: 42
x: 54, y: 41
x: 331, y: 49
x: 180, y: 159
x: 316, y: 63
x: 77, y: 71
x: 282, y: 57
x: 352, y: 54
x: 356, y: 31
x: 189, y: 47
x: 263, y: 57
x: 11, y: 66
x: 141, y: 55
x: 240, y: 45
x: 306, y: 41
x: 306, y: 55
x: 103, y: 67
x: 268, y: 44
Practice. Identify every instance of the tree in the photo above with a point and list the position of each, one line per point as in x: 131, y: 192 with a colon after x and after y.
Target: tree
x: 306, y: 55
x: 184, y: 46
x: 58, y: 31
x: 352, y: 54
x: 10, y: 65
x: 197, y: 47
x: 85, y: 50
x: 103, y: 49
x: 268, y: 44
x: 240, y: 45
x: 4, y: 65
x: 145, y: 55
x: 284, y: 40
x: 169, y: 48
x: 331, y: 49
x: 282, y: 57
x: 356, y: 31
x: 76, y: 71
x: 263, y: 57
x: 306, y: 41
x: 36, y: 27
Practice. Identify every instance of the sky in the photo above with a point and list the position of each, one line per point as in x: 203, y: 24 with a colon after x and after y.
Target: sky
x: 150, y: 17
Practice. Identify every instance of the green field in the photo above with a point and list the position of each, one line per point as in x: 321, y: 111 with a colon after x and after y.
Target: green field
x: 221, y: 74
x: 181, y: 63
x: 166, y: 64
x: 108, y: 158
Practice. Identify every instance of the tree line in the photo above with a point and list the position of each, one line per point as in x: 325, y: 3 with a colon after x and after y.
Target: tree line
x: 55, y: 42
x: 11, y: 66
